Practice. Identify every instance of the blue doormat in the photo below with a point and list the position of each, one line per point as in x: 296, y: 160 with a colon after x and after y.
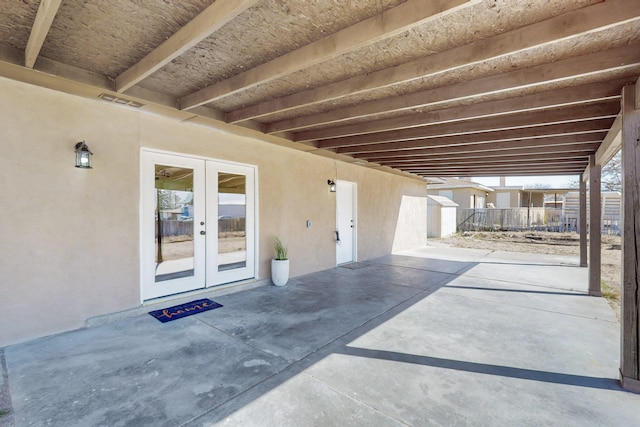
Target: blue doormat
x: 183, y: 310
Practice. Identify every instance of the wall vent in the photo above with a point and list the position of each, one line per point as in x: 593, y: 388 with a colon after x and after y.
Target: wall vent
x: 118, y: 100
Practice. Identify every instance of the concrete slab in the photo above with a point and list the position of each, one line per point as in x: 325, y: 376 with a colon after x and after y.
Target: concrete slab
x: 427, y: 337
x: 133, y: 372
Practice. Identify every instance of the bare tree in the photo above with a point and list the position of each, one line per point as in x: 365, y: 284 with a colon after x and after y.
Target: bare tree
x: 612, y: 174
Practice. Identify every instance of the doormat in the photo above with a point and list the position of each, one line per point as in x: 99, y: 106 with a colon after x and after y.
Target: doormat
x: 355, y: 265
x: 183, y: 310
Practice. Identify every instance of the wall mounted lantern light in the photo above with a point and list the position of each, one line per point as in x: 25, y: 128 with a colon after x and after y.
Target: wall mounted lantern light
x: 332, y: 186
x: 83, y: 155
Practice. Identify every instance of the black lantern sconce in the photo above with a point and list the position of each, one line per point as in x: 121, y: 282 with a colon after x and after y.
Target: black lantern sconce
x: 332, y: 186
x: 83, y: 155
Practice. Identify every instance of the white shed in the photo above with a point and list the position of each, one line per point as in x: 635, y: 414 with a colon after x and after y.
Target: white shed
x: 441, y: 216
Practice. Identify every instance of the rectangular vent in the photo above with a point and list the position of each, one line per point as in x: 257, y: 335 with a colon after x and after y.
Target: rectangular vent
x: 118, y: 100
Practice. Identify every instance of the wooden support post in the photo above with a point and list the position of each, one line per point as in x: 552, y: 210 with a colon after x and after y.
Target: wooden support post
x: 595, y: 225
x: 630, y: 303
x: 583, y: 222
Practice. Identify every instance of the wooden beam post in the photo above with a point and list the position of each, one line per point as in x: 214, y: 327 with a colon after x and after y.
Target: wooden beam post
x: 583, y: 222
x: 630, y: 298
x: 595, y: 225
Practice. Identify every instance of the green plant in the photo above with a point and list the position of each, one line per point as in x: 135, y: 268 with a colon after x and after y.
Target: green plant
x: 609, y: 293
x: 280, y: 248
x: 3, y: 412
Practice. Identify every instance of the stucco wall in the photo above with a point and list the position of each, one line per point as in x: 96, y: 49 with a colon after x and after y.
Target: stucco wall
x: 70, y: 241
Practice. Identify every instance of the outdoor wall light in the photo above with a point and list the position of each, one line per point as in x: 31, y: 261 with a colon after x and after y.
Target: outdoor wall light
x: 332, y: 186
x: 83, y: 155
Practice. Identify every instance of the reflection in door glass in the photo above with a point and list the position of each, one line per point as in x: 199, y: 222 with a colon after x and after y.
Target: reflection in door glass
x: 232, y: 216
x: 174, y: 248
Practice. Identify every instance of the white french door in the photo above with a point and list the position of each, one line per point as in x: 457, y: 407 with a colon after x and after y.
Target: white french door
x: 197, y: 223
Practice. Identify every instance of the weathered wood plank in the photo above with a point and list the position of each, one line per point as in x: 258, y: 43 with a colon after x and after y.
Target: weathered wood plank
x: 518, y: 123
x: 385, y: 25
x: 551, y: 130
x: 486, y: 153
x: 201, y: 27
x: 595, y: 233
x: 611, y: 61
x: 572, y: 24
x: 544, y: 101
x: 438, y: 147
x: 583, y: 223
x: 44, y: 18
x: 630, y: 304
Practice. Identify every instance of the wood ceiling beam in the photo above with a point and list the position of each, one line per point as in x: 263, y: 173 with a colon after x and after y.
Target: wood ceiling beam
x: 612, y: 143
x: 574, y: 95
x: 44, y: 18
x: 385, y: 25
x: 467, y: 152
x: 591, y: 65
x: 570, y: 25
x: 541, y: 165
x: 564, y: 171
x: 525, y: 160
x: 516, y: 121
x: 202, y: 26
x: 537, y: 132
x: 438, y: 148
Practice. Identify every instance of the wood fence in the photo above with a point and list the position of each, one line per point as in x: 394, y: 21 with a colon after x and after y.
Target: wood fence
x: 171, y: 227
x: 514, y: 219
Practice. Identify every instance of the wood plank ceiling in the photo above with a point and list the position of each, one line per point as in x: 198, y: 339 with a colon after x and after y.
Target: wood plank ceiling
x: 430, y: 88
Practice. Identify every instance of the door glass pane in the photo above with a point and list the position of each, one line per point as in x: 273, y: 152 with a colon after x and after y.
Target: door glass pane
x: 232, y: 217
x: 174, y: 247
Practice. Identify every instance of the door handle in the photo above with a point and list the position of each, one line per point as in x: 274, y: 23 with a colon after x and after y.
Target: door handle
x: 203, y: 232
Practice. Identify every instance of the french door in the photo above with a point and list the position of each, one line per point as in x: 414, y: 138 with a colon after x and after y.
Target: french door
x: 197, y: 223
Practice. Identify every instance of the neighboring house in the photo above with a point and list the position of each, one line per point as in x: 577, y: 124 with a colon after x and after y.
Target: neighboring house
x: 466, y: 194
x: 506, y: 197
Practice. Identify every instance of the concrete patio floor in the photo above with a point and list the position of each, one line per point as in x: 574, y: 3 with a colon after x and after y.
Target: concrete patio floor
x: 436, y: 336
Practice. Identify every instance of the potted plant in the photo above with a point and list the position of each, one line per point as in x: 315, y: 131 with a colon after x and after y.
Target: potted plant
x: 280, y: 264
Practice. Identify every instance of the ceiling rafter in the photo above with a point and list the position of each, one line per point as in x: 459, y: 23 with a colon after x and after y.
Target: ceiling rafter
x: 566, y: 97
x: 489, y: 145
x: 202, y: 26
x: 534, y: 164
x: 541, y: 165
x: 526, y: 159
x: 47, y: 11
x: 516, y: 121
x: 537, y: 132
x: 364, y: 33
x: 489, y: 153
x: 570, y: 25
x: 599, y: 63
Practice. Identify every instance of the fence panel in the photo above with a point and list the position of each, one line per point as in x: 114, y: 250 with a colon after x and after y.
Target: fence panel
x: 512, y: 219
x: 172, y: 227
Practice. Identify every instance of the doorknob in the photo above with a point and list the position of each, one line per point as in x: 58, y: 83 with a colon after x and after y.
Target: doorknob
x: 203, y: 232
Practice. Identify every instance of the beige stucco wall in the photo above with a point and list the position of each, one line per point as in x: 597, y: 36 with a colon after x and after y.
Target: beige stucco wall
x: 70, y: 241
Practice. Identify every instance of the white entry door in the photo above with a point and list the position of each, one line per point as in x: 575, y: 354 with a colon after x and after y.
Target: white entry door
x: 197, y: 223
x: 345, y: 222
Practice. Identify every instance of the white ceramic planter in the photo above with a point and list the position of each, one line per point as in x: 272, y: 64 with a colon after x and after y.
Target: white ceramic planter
x: 279, y: 272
